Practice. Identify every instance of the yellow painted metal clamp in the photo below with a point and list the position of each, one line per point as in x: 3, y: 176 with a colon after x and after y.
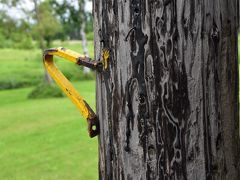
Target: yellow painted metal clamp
x: 67, y: 87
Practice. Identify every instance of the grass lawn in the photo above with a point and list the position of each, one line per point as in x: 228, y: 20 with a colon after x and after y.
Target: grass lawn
x: 46, y: 138
x: 21, y: 68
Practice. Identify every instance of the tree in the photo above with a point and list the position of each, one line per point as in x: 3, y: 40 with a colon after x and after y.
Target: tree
x: 47, y: 26
x: 41, y: 17
x: 72, y: 15
x: 74, y: 20
x: 168, y: 102
x: 83, y: 19
x: 68, y: 15
x: 14, y: 33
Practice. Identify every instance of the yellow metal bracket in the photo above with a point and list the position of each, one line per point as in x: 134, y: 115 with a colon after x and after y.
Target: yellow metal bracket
x: 67, y: 87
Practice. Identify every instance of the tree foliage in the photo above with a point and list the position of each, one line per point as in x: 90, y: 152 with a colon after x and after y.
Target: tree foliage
x: 69, y: 16
x: 45, y: 21
x: 47, y: 25
x: 14, y: 33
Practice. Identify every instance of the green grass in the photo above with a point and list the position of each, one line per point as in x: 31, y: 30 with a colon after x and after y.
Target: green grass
x: 75, y: 45
x: 22, y: 68
x: 43, y: 138
x: 46, y: 138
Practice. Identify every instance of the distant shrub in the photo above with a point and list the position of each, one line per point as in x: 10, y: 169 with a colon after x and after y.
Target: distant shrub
x: 17, y: 41
x: 26, y: 43
x: 90, y: 36
x: 6, y: 43
x: 25, y: 77
x: 81, y: 76
x: 2, y: 39
x: 13, y: 83
x: 45, y: 90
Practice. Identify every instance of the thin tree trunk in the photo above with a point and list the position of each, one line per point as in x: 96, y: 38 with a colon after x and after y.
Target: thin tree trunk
x: 47, y: 77
x: 81, y: 4
x: 168, y: 102
x: 84, y: 45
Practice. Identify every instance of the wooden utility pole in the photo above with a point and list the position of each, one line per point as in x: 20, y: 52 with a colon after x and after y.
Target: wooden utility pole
x: 168, y: 103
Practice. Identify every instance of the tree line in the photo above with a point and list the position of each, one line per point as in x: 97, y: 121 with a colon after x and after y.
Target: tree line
x: 43, y: 22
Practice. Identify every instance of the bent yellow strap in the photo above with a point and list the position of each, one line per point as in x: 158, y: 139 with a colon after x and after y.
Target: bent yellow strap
x: 67, y: 87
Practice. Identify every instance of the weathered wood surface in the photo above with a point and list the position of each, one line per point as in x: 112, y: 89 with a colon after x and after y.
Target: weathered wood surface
x: 168, y: 104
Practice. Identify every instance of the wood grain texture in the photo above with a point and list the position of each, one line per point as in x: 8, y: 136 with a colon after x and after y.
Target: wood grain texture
x: 168, y: 103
